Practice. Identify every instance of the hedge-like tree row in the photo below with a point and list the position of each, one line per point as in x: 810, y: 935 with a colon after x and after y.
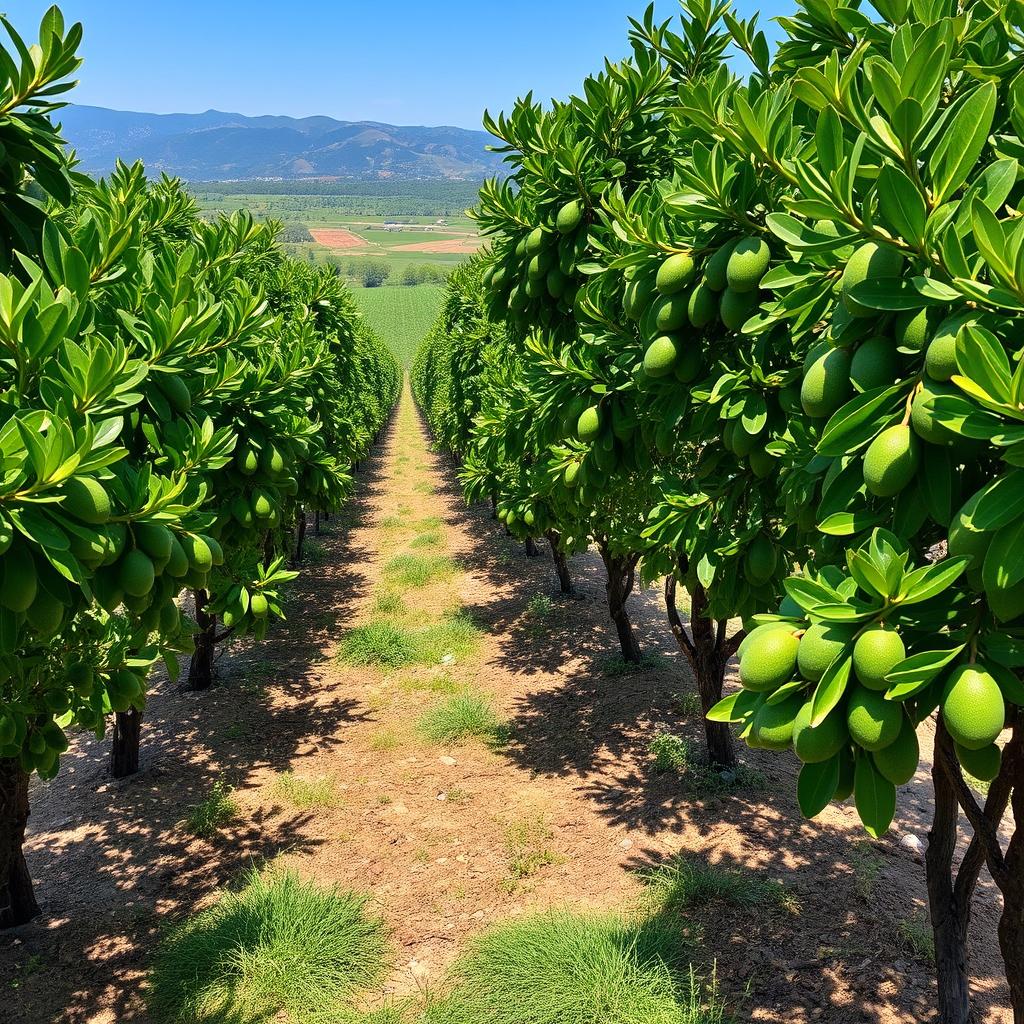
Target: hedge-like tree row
x: 759, y: 337
x: 173, y: 394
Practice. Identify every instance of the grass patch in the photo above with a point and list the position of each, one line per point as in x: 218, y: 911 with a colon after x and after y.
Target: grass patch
x: 916, y: 937
x: 209, y: 816
x: 540, y: 606
x: 431, y: 523
x: 279, y: 945
x: 442, y: 684
x: 424, y: 487
x: 389, y: 603
x: 617, y: 666
x: 460, y: 718
x: 561, y: 968
x: 430, y: 539
x: 687, y: 705
x: 526, y: 844
x: 457, y: 795
x: 304, y: 793
x: 392, y: 523
x: 670, y: 753
x: 419, y: 570
x: 390, y: 646
x: 686, y: 882
x: 314, y: 552
x: 386, y: 739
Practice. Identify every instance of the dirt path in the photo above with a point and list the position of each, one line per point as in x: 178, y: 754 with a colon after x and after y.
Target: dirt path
x: 450, y: 839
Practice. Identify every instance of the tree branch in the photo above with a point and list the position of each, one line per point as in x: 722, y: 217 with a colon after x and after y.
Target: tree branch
x: 676, y: 623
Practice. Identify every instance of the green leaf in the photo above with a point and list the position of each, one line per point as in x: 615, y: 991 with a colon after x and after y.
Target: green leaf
x: 734, y: 708
x: 830, y: 690
x: 1000, y: 502
x: 961, y: 142
x: 913, y: 674
x: 817, y: 785
x: 874, y: 796
x: 901, y: 204
x: 809, y: 594
x: 931, y: 580
x: 786, y: 691
x: 861, y: 419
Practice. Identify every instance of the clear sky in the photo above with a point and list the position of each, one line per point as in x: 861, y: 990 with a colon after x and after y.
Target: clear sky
x: 397, y: 61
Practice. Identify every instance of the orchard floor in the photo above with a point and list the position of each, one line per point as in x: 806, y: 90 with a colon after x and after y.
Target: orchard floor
x: 450, y: 840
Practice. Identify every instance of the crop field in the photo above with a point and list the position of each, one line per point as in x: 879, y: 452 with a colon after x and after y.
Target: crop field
x: 401, y: 315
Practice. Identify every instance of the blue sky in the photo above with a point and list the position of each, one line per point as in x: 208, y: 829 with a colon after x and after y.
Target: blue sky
x: 399, y: 61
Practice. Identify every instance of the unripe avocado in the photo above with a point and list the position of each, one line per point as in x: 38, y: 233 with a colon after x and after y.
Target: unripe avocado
x: 826, y: 384
x: 539, y: 266
x: 556, y: 283
x: 924, y: 419
x: 107, y: 588
x: 747, y: 264
x: 85, y: 499
x: 638, y: 295
x: 535, y: 241
x: 736, y: 308
x: 774, y: 723
x: 661, y: 356
x: 198, y: 553
x: 135, y: 573
x: 177, y: 393
x: 983, y: 764
x: 716, y: 267
x: 536, y: 286
x: 588, y: 427
x: 170, y: 619
x: 820, y: 645
x: 177, y: 562
x: 518, y: 300
x: 898, y: 761
x: 262, y: 507
x: 912, y: 329
x: 690, y: 364
x: 216, y: 551
x: 940, y: 357
x: 876, y: 653
x: 871, y: 262
x: 676, y: 273
x: 761, y: 560
x: 569, y: 217
x: 89, y: 551
x: 873, y: 721
x: 817, y: 744
x: 768, y: 660
x: 964, y: 541
x: 743, y: 442
x: 247, y: 460
x: 20, y: 581
x: 272, y: 461
x: 259, y: 606
x: 155, y: 539
x: 891, y: 461
x: 702, y: 306
x: 45, y: 613
x: 875, y: 364
x: 762, y: 465
x: 79, y: 676
x: 973, y: 707
x: 671, y: 314
x: 571, y: 475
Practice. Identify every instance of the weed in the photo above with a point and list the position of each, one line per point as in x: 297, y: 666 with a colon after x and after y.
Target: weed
x: 915, y: 936
x: 392, y: 523
x: 687, y: 705
x: 304, y: 793
x: 431, y: 523
x: 209, y: 816
x: 618, y: 666
x: 431, y: 539
x: 457, y: 795
x: 389, y: 602
x: 687, y: 881
x: 526, y: 845
x: 540, y: 606
x: 460, y: 718
x: 424, y: 487
x: 279, y: 946
x: 675, y: 754
x: 587, y: 969
x: 441, y: 684
x: 867, y: 865
x: 456, y: 635
x: 236, y: 731
x: 419, y: 570
x: 314, y: 552
x: 383, y: 643
x: 386, y: 739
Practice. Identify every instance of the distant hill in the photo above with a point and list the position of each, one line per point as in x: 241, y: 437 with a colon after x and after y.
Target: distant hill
x: 215, y: 146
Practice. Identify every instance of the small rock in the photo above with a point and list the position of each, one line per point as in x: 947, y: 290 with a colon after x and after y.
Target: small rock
x: 447, y: 659
x: 478, y: 916
x: 400, y: 809
x: 913, y: 844
x: 626, y: 844
x: 448, y: 760
x: 441, y: 796
x: 462, y: 858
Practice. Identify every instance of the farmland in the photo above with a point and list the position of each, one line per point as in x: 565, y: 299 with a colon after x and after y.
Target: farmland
x: 402, y: 315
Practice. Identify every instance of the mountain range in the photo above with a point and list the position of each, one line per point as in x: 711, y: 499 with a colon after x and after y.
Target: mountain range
x: 218, y: 146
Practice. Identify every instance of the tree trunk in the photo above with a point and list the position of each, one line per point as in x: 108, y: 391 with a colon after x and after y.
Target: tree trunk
x: 316, y: 523
x: 17, y: 901
x: 1011, y: 923
x: 620, y: 570
x: 950, y: 910
x: 708, y: 652
x: 300, y: 534
x: 561, y: 562
x: 494, y: 506
x: 124, y: 743
x: 532, y: 551
x: 200, y: 669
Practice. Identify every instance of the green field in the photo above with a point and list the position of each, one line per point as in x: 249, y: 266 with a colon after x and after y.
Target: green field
x: 401, y: 316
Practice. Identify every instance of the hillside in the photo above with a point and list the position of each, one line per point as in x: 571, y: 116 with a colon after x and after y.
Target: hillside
x: 217, y: 146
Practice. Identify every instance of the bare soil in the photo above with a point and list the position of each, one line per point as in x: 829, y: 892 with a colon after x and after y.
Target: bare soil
x: 438, y: 834
x: 456, y: 245
x: 337, y: 238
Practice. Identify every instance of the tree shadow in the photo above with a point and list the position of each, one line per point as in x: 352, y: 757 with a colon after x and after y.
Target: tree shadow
x: 114, y: 861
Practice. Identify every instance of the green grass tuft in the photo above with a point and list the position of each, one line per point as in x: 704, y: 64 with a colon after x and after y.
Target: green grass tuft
x: 419, y: 570
x: 209, y: 816
x: 390, y: 646
x: 916, y: 937
x: 564, y: 968
x: 687, y: 881
x: 389, y: 603
x: 675, y: 754
x: 459, y: 718
x: 540, y: 606
x: 430, y: 539
x: 304, y: 793
x: 278, y: 946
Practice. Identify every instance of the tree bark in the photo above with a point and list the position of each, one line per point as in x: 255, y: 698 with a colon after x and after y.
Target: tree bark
x: 200, y: 669
x: 1011, y: 923
x: 300, y: 534
x: 124, y: 743
x: 621, y: 578
x: 17, y: 900
x: 561, y: 562
x: 950, y: 910
x: 708, y: 652
x: 532, y: 551
x: 316, y: 523
x: 494, y: 506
